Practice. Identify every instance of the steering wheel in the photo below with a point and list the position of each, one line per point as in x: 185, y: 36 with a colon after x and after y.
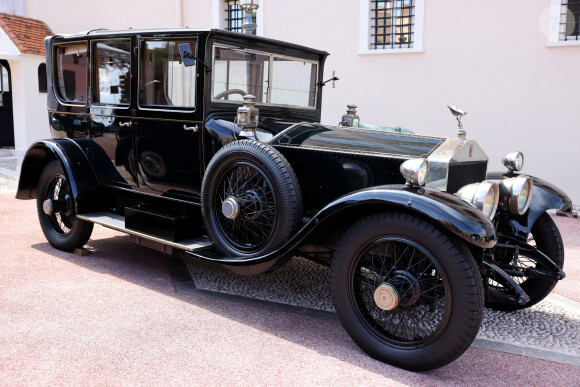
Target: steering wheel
x: 230, y: 91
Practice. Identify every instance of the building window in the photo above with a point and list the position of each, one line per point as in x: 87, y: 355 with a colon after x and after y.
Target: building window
x: 42, y: 78
x: 391, y: 26
x: 235, y: 16
x: 570, y: 20
x: 228, y: 15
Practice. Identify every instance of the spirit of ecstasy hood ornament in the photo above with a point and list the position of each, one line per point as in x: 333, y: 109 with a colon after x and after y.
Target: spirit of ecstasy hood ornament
x: 458, y: 114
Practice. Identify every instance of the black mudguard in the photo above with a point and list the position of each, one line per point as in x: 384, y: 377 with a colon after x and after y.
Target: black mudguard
x: 445, y: 210
x: 74, y: 162
x: 545, y: 197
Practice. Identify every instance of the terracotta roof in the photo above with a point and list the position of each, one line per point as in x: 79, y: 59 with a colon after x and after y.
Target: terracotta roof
x: 27, y: 34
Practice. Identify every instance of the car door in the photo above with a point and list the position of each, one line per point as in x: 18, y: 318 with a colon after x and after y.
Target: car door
x: 111, y: 110
x: 167, y: 123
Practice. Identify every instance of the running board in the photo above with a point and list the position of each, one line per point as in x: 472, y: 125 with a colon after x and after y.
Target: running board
x: 117, y: 222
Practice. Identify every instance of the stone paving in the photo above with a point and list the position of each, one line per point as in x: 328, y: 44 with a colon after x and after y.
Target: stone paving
x: 10, y: 162
x: 552, y: 325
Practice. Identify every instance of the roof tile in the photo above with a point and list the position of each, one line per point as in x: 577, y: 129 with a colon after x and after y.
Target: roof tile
x: 27, y: 34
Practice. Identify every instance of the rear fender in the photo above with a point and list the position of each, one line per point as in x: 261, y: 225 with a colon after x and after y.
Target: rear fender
x: 74, y: 162
x: 445, y: 210
x: 546, y: 196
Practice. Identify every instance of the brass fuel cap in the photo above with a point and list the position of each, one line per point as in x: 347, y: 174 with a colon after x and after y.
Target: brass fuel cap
x: 386, y: 297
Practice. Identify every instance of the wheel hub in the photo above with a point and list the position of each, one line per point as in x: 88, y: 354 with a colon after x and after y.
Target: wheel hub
x: 231, y: 208
x: 48, y: 207
x: 386, y: 297
x: 407, y: 286
x: 254, y: 203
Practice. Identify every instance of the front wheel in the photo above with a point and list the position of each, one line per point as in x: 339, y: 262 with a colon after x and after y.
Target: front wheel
x: 405, y: 292
x: 546, y: 237
x: 56, y: 210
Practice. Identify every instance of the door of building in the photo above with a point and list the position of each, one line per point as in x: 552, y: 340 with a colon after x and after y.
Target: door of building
x: 6, y: 117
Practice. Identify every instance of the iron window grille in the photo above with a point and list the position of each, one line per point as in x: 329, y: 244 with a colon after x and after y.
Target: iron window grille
x: 570, y: 20
x: 235, y: 16
x: 392, y: 24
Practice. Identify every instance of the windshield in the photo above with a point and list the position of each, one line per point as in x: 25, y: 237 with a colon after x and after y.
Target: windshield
x: 273, y: 79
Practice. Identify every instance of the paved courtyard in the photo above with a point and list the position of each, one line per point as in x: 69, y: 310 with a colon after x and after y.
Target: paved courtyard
x: 125, y: 314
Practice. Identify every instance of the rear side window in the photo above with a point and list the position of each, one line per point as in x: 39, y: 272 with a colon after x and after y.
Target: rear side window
x: 112, y: 67
x: 71, y: 72
x: 163, y: 80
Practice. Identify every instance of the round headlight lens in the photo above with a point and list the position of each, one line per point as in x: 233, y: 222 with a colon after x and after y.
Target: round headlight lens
x: 415, y: 171
x: 514, y: 161
x: 524, y: 196
x: 489, y: 205
x: 484, y: 195
x: 516, y: 194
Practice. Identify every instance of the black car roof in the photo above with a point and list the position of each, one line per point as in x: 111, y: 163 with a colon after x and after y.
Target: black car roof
x: 185, y: 31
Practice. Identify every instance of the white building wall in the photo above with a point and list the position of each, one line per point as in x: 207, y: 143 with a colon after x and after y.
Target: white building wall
x: 29, y: 105
x: 488, y: 57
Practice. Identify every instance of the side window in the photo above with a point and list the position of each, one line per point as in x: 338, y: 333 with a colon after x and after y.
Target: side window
x: 112, y: 72
x: 293, y: 82
x: 71, y: 72
x: 164, y: 80
x: 42, y: 78
x: 237, y: 73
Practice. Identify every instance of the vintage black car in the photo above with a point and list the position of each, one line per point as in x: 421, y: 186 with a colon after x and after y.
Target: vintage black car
x: 209, y: 143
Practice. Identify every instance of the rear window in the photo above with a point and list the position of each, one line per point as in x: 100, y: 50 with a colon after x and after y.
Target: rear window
x: 71, y: 72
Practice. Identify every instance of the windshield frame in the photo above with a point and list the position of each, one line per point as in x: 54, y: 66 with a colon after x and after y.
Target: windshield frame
x: 271, y: 56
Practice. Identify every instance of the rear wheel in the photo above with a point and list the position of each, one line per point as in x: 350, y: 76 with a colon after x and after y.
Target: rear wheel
x: 56, y: 210
x: 406, y: 293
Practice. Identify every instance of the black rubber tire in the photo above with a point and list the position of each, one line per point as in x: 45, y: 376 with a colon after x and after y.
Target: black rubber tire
x: 455, y: 272
x: 549, y: 241
x: 281, y: 207
x: 63, y: 231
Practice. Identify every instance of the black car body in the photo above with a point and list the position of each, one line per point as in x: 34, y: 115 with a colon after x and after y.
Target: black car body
x: 147, y: 145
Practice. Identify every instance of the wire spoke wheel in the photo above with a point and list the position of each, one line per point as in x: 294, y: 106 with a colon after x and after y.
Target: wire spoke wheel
x: 544, y: 236
x: 406, y: 292
x: 252, y: 190
x: 250, y: 199
x: 417, y: 282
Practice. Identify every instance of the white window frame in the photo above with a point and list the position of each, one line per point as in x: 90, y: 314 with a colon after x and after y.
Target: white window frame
x: 365, y: 29
x: 554, y: 29
x: 219, y: 12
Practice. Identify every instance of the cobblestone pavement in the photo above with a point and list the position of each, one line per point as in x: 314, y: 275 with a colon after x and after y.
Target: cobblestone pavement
x: 10, y: 162
x: 553, y: 325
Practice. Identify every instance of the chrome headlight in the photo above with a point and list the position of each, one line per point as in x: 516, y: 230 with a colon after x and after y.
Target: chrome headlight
x: 415, y: 171
x: 484, y: 195
x: 514, y: 161
x: 516, y: 194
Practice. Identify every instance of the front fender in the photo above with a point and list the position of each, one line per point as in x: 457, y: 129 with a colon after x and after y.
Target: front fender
x: 446, y: 210
x: 74, y: 162
x: 546, y: 196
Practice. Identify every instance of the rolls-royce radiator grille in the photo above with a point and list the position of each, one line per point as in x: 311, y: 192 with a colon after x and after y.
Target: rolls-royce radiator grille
x: 461, y: 174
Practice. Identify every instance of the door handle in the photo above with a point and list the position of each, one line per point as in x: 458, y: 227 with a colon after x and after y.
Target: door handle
x: 127, y: 124
x: 192, y: 128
